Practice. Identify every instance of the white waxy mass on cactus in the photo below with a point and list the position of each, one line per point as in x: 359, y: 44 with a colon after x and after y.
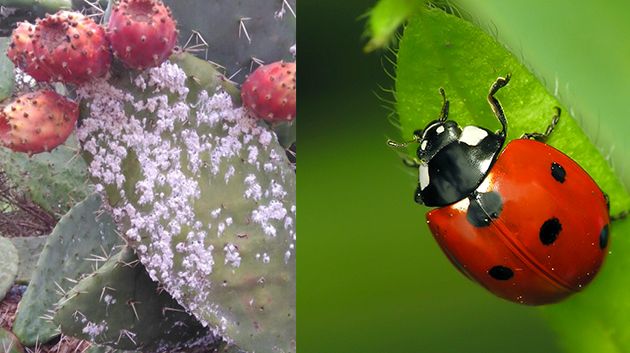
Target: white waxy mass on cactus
x: 205, y: 194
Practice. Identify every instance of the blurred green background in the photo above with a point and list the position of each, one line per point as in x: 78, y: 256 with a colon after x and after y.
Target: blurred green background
x: 371, y: 278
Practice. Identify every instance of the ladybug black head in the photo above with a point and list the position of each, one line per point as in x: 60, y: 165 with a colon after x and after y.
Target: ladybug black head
x: 434, y: 137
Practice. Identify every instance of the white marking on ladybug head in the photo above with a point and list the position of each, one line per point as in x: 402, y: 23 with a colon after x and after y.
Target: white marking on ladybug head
x: 423, y: 176
x: 472, y: 135
x: 440, y: 129
x: 423, y: 145
x: 429, y: 129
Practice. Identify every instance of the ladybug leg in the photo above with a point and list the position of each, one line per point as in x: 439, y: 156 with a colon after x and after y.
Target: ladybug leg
x: 619, y: 216
x: 543, y: 137
x: 412, y: 163
x: 445, y: 106
x: 417, y: 196
x: 495, y: 105
x: 417, y: 137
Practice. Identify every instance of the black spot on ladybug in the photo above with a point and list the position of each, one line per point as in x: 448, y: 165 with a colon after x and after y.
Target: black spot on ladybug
x: 558, y: 172
x: 603, y: 237
x: 501, y: 273
x: 550, y: 230
x: 484, y: 207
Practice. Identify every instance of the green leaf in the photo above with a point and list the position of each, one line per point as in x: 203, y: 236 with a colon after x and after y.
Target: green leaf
x: 441, y: 50
x: 583, y: 60
x: 7, y: 76
x: 384, y: 20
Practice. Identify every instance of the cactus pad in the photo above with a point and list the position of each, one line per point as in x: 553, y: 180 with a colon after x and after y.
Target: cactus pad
x: 55, y: 180
x: 239, y: 33
x: 7, y: 76
x: 205, y: 194
x: 104, y: 349
x: 81, y: 241
x: 29, y: 249
x: 9, y: 343
x: 121, y: 307
x: 8, y: 265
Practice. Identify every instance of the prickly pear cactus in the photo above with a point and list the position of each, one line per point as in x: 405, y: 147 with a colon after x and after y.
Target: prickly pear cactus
x: 9, y: 343
x: 239, y: 34
x: 81, y: 241
x: 29, y: 249
x: 7, y: 81
x: 121, y: 307
x: 99, y: 349
x: 55, y: 180
x: 8, y: 265
x: 205, y: 194
x: 105, y: 349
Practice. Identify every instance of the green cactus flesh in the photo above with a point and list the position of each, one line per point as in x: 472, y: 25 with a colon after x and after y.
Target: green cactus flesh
x: 9, y: 343
x: 203, y: 75
x: 8, y: 265
x: 7, y: 76
x: 286, y: 132
x: 99, y: 349
x: 121, y: 307
x: 82, y: 240
x: 215, y: 349
x: 94, y: 348
x: 39, y: 6
x: 239, y: 33
x: 54, y: 180
x: 29, y: 249
x: 205, y: 194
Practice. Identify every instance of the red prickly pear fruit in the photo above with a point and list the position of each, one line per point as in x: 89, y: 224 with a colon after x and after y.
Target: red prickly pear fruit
x: 143, y: 33
x: 269, y: 92
x: 37, y: 122
x: 72, y: 47
x: 21, y: 52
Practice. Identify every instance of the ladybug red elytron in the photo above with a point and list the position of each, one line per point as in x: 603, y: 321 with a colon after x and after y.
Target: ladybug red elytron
x: 527, y: 223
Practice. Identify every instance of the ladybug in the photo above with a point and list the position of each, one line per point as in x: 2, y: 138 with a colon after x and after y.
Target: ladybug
x: 525, y: 221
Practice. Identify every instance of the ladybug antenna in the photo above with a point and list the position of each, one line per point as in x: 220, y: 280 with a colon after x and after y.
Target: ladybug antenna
x: 445, y: 105
x: 417, y: 137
